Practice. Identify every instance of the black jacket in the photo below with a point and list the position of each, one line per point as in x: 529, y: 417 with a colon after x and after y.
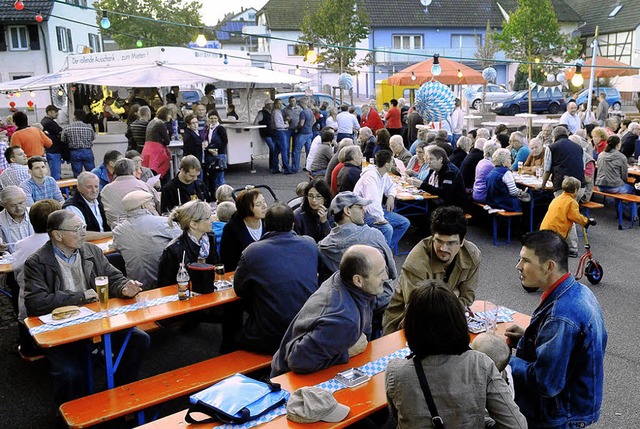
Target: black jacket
x: 235, y: 238
x: 457, y: 156
x: 468, y: 167
x: 450, y: 185
x: 92, y: 223
x: 192, y: 144
x: 175, y: 193
x: 172, y: 256
x: 348, y: 176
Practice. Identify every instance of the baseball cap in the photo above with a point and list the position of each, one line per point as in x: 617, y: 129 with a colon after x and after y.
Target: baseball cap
x: 312, y: 404
x: 346, y: 199
x: 135, y: 199
x: 51, y: 107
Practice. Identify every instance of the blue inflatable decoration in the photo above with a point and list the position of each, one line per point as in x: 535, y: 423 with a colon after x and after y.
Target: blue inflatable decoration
x: 345, y: 81
x: 434, y: 101
x: 470, y: 93
x: 489, y: 74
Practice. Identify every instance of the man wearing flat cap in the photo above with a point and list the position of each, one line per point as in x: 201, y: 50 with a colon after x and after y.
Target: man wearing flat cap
x: 348, y: 212
x: 142, y: 236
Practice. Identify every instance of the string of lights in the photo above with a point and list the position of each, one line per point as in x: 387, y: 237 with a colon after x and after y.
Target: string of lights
x: 536, y: 61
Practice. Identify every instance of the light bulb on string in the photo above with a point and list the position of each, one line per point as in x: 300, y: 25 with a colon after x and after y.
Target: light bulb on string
x: 459, y: 74
x: 104, y: 22
x: 18, y: 94
x: 32, y: 94
x: 436, y: 69
x: 19, y: 5
x: 413, y: 76
x: 225, y: 61
x: 298, y: 70
x: 201, y: 40
x: 577, y: 79
x: 60, y: 92
x: 311, y: 56
x: 139, y: 43
x: 39, y: 17
x: 537, y: 60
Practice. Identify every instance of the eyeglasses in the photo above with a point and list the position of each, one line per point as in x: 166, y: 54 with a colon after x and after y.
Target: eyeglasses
x: 315, y: 197
x: 82, y: 228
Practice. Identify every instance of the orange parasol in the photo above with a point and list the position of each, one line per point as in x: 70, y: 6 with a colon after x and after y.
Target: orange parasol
x: 605, y: 67
x: 449, y: 75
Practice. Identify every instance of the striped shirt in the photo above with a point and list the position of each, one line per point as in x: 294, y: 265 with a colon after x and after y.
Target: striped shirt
x: 36, y: 192
x: 79, y: 135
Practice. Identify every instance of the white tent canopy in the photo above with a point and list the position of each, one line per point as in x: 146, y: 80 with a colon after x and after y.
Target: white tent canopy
x: 158, y: 67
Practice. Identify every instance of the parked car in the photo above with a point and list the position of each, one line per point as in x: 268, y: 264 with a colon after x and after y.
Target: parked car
x: 494, y: 94
x: 545, y: 100
x: 318, y: 99
x: 613, y: 97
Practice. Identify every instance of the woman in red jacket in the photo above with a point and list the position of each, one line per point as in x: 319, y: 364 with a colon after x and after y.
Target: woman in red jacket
x: 393, y: 118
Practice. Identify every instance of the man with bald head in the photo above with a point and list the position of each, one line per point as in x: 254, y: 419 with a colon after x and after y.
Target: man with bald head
x: 571, y: 119
x: 63, y: 272
x: 335, y: 322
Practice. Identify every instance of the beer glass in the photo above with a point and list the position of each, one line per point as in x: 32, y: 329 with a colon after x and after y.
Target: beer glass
x: 102, y: 288
x: 220, y: 282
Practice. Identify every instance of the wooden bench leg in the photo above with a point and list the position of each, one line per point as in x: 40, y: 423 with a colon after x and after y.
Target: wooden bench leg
x: 495, y: 230
x: 508, y: 230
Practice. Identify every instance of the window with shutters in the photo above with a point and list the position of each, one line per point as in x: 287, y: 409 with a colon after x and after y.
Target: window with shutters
x: 18, y: 38
x: 65, y: 44
x: 94, y: 43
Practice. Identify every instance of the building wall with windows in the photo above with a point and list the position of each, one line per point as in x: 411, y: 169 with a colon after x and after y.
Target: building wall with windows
x: 29, y: 48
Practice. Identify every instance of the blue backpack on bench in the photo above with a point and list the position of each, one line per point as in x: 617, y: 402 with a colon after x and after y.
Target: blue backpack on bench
x: 237, y: 399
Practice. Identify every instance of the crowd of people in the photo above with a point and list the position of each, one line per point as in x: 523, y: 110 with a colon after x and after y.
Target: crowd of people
x: 340, y: 235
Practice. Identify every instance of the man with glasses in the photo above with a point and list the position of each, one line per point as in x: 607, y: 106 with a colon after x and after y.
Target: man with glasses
x: 63, y: 272
x: 14, y: 219
x: 446, y: 256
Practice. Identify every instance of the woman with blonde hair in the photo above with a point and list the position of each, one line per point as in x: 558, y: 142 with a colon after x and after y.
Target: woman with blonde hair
x: 197, y: 243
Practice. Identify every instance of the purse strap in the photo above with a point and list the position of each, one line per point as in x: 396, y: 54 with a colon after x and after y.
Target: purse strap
x: 438, y: 423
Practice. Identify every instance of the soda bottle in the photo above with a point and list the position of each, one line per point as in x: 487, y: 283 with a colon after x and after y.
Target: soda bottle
x: 183, y: 282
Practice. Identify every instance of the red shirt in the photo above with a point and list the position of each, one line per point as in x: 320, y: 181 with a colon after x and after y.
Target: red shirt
x: 554, y: 286
x: 372, y: 121
x: 393, y: 118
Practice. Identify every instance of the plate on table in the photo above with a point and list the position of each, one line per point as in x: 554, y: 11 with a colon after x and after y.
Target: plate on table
x: 48, y: 318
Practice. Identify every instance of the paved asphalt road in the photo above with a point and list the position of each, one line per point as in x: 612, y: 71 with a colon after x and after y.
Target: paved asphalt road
x: 25, y: 387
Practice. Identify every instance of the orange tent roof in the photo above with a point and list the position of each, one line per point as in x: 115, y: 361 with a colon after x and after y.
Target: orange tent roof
x: 449, y: 75
x: 605, y: 67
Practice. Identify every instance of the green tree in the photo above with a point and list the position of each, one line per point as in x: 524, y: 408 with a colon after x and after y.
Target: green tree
x: 336, y: 23
x: 533, y: 32
x: 126, y: 27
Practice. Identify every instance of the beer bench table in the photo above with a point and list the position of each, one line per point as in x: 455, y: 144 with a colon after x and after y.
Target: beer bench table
x: 500, y: 214
x: 363, y: 400
x: 66, y: 185
x: 621, y: 200
x: 117, y: 320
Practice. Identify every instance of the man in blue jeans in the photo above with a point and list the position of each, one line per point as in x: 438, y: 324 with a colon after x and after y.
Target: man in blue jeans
x: 304, y: 136
x: 374, y: 183
x: 53, y: 130
x: 79, y: 137
x: 280, y: 136
x: 558, y: 369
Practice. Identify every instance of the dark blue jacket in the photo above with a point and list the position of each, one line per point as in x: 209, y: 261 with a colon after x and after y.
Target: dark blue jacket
x: 331, y: 321
x: 275, y: 276
x: 558, y: 370
x: 498, y: 195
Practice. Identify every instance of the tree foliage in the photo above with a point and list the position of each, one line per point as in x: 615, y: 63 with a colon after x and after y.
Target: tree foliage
x: 488, y: 48
x: 126, y: 30
x: 533, y: 32
x: 336, y: 23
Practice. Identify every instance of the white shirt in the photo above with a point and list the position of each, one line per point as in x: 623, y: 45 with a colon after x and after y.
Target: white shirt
x: 95, y: 209
x: 372, y: 186
x: 347, y: 123
x: 457, y: 120
x: 572, y: 122
x: 315, y: 144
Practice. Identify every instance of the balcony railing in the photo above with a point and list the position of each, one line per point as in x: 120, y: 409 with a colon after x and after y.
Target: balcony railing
x: 410, y: 56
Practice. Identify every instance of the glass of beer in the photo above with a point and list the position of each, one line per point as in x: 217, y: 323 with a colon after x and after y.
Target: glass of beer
x: 102, y: 288
x: 220, y: 282
x: 520, y: 167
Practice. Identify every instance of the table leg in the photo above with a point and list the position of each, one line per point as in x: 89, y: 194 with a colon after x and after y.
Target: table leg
x: 111, y: 366
x: 531, y: 204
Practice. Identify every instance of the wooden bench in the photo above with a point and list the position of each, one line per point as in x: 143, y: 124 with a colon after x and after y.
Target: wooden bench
x: 589, y: 205
x: 501, y: 214
x: 621, y: 200
x: 137, y: 396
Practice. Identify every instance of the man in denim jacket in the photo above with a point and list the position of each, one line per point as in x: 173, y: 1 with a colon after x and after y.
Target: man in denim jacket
x: 558, y: 369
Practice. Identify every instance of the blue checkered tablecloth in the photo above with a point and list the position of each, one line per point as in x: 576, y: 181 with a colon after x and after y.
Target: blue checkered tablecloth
x: 333, y: 385
x: 107, y: 313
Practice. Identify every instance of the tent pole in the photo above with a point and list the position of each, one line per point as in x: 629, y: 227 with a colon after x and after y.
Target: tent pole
x: 594, y: 54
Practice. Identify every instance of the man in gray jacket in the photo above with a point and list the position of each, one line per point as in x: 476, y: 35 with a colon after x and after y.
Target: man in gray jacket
x: 142, y: 237
x: 63, y: 272
x: 335, y: 322
x: 348, y: 212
